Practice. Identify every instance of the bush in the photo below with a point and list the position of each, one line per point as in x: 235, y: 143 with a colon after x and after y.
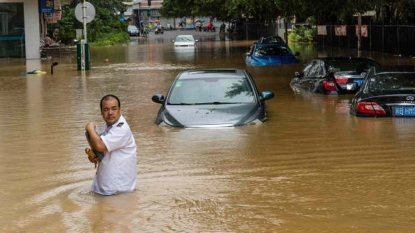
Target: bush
x: 302, y: 34
x: 112, y: 38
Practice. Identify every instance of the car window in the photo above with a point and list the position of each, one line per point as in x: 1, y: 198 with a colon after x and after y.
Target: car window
x: 196, y: 91
x: 313, y: 70
x: 272, y: 39
x: 316, y: 70
x: 307, y: 68
x: 184, y: 38
x: 272, y: 50
x: 358, y: 65
x: 392, y: 82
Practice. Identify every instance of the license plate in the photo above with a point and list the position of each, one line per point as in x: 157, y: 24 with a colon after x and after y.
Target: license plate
x: 404, y: 110
x: 358, y: 81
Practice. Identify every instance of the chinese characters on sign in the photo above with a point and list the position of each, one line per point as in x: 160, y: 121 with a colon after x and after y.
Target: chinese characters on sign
x: 340, y: 30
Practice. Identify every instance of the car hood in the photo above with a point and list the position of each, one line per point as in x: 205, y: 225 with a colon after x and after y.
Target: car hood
x: 273, y: 60
x: 214, y: 115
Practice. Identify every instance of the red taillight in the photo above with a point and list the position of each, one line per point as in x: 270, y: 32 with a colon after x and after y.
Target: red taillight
x: 329, y: 86
x: 370, y: 108
x: 340, y: 79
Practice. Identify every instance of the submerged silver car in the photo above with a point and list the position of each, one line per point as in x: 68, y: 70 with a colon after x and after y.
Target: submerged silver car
x: 184, y: 41
x: 133, y: 30
x: 212, y: 98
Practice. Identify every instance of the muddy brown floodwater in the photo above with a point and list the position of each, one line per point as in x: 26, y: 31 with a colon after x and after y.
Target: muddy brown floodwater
x: 311, y: 168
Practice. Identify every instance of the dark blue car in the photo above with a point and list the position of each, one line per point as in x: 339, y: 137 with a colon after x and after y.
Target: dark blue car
x: 270, y: 54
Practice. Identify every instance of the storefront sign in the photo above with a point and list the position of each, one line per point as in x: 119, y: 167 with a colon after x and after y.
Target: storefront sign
x: 46, y: 6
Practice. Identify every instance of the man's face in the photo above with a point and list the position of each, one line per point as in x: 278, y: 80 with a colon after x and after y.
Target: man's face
x: 110, y: 111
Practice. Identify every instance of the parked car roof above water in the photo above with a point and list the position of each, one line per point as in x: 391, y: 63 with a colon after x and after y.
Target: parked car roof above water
x: 212, y: 98
x: 270, y: 54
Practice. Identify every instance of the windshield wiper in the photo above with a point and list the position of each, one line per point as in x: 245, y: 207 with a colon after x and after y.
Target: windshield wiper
x: 181, y: 103
x: 215, y: 102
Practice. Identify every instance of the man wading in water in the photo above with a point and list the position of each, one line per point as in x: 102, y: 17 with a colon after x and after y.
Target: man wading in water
x: 113, y: 149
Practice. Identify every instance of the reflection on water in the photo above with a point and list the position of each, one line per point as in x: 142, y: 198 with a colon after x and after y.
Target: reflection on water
x: 311, y: 166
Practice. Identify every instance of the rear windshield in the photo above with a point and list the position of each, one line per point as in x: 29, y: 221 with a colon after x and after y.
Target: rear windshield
x: 357, y: 65
x: 392, y: 82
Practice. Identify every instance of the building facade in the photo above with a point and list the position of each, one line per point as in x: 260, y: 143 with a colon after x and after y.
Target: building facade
x: 23, y: 25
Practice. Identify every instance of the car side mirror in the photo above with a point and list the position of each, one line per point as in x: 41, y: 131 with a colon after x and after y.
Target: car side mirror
x: 248, y: 54
x: 158, y: 98
x: 266, y: 95
x: 298, y: 74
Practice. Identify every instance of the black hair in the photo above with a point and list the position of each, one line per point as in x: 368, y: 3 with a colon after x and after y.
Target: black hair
x: 108, y: 97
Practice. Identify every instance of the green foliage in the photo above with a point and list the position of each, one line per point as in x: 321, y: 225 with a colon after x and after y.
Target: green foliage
x: 302, y: 34
x: 112, y: 39
x: 322, y: 11
x: 104, y: 29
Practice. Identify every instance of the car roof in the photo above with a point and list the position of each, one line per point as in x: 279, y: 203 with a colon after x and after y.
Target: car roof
x: 342, y: 58
x: 271, y: 37
x: 271, y: 44
x: 207, y: 73
x: 396, y: 68
x: 185, y: 36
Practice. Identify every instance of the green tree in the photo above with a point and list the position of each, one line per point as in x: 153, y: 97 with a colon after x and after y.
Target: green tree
x: 323, y: 11
x: 106, y: 28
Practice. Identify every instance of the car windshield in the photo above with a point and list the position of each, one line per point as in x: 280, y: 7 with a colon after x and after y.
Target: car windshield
x: 272, y: 50
x: 184, y: 38
x: 357, y: 65
x: 212, y: 91
x: 272, y: 39
x: 392, y: 82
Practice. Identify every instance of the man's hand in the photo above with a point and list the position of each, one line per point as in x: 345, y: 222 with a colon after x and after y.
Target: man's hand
x: 92, y: 157
x: 90, y: 127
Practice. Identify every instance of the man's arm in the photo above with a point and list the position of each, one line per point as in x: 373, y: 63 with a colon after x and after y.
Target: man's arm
x: 95, y: 140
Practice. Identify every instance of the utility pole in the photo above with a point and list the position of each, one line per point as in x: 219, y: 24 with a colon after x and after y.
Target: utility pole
x: 359, y: 34
x: 84, y: 19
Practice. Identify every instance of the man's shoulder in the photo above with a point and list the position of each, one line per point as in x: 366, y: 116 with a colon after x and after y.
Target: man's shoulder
x: 122, y: 124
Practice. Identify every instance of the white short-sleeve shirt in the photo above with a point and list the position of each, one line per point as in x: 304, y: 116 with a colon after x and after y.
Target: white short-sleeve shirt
x: 117, y: 172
